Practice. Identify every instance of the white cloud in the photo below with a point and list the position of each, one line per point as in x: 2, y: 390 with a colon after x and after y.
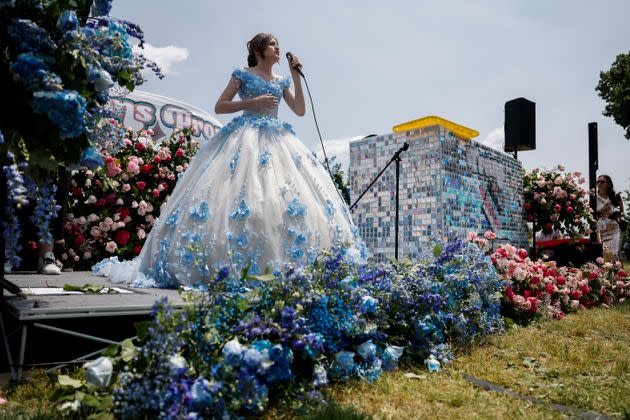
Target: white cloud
x: 339, y: 148
x: 165, y: 57
x: 495, y: 139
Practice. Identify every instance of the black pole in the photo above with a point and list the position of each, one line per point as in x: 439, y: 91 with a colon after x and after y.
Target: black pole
x: 533, y: 257
x: 397, y: 206
x: 593, y: 165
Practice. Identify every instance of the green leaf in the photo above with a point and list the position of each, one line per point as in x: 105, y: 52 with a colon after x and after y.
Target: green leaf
x: 71, y: 288
x: 111, y: 351
x: 65, y: 380
x: 262, y: 277
x: 43, y: 159
x: 128, y: 350
x: 142, y: 329
x: 436, y: 251
x: 59, y: 393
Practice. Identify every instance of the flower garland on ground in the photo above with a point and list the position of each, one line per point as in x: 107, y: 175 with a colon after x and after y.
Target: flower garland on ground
x: 555, y: 200
x: 541, y: 289
x: 257, y: 339
x: 113, y: 208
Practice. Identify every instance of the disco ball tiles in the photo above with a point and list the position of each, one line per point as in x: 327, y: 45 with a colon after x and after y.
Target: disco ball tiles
x: 447, y: 187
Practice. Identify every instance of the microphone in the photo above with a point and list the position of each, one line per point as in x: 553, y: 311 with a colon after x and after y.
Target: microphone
x: 298, y: 68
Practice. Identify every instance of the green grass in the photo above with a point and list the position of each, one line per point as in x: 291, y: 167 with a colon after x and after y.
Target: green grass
x: 582, y: 361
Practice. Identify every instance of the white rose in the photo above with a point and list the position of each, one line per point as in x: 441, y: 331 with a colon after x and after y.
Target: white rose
x: 99, y: 372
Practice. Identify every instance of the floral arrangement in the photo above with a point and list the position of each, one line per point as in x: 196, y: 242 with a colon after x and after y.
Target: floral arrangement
x: 57, y: 65
x: 284, y: 336
x: 538, y: 289
x: 555, y: 200
x: 113, y: 208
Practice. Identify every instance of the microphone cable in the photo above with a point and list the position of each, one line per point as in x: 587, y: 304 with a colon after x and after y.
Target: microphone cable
x: 319, y: 133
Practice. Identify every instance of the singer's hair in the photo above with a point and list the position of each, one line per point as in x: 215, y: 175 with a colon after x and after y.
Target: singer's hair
x: 612, y: 195
x: 258, y: 44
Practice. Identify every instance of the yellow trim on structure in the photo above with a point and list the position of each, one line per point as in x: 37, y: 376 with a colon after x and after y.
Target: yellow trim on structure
x: 460, y: 130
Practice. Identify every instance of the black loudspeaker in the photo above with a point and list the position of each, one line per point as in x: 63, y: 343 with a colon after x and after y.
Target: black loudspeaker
x: 520, y: 125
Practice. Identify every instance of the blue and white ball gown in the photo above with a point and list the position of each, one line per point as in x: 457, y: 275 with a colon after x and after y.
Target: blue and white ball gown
x: 253, y: 194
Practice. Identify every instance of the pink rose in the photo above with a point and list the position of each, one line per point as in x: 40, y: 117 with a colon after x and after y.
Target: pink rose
x: 126, y: 187
x: 111, y: 247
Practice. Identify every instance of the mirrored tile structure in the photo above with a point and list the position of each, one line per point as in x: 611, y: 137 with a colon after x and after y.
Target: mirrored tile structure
x: 448, y: 186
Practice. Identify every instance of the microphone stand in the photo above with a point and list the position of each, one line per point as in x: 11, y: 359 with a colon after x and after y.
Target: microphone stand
x: 395, y: 158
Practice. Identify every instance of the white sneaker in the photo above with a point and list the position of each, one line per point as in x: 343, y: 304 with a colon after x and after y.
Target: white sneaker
x: 46, y: 264
x: 7, y: 268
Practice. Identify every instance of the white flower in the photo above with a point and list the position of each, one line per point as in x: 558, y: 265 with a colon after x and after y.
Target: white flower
x: 92, y: 218
x: 176, y: 362
x: 91, y: 200
x: 99, y: 372
x: 141, y: 234
x: 72, y: 405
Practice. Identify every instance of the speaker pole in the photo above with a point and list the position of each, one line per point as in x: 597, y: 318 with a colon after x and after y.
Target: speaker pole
x: 593, y: 165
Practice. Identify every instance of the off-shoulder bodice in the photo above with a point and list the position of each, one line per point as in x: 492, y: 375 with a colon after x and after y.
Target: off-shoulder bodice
x: 252, y: 85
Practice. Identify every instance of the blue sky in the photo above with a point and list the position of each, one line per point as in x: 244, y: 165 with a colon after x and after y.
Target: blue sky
x: 372, y: 65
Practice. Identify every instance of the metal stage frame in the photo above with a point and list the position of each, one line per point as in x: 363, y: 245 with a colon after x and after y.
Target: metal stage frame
x: 36, y: 311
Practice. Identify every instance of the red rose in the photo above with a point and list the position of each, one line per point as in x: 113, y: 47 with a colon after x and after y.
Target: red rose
x: 557, y: 208
x: 156, y: 193
x: 137, y: 249
x: 122, y: 237
x: 527, y: 294
x: 141, y: 185
x: 558, y: 315
x: 179, y: 152
x: 535, y: 280
x: 522, y: 253
x: 146, y: 169
x: 79, y: 239
x: 101, y: 202
x: 32, y: 245
x: 575, y: 294
x: 585, y: 289
x: 560, y: 280
x: 77, y: 192
x: 569, y: 210
x: 592, y: 275
x: 164, y: 185
x: 140, y: 147
x: 124, y: 213
x: 550, y: 288
x: 156, y: 159
x: 534, y: 308
x: 509, y: 293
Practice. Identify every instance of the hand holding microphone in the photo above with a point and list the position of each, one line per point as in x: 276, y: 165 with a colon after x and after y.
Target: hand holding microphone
x: 294, y: 63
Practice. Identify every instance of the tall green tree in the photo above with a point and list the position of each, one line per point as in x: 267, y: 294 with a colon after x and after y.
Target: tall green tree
x: 614, y: 88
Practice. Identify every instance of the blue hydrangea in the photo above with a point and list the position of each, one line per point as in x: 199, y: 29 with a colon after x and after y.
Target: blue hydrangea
x: 367, y: 351
x: 91, y: 158
x: 64, y: 108
x: 101, y: 79
x: 101, y: 7
x: 32, y: 71
x: 68, y: 21
x: 391, y: 355
x: 27, y: 37
x: 368, y: 304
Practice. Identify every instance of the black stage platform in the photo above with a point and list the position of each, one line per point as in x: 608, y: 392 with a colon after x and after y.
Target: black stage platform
x: 55, y: 329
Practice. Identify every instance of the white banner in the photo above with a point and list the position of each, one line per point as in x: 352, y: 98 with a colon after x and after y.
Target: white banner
x: 144, y: 110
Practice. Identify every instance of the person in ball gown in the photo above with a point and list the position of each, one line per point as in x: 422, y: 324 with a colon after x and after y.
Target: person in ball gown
x: 254, y: 195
